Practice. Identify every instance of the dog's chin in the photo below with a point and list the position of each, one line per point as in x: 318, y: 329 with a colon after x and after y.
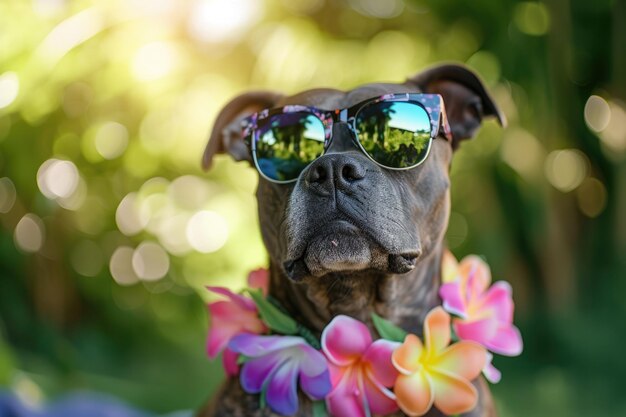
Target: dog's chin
x: 346, y: 251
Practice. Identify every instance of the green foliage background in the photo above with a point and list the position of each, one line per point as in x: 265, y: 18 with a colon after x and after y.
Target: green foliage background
x: 550, y: 222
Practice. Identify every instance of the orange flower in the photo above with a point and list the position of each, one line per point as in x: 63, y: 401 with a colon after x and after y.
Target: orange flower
x: 435, y: 373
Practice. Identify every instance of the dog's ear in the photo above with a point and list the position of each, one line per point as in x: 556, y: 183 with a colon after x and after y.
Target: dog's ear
x: 465, y: 97
x: 226, y: 134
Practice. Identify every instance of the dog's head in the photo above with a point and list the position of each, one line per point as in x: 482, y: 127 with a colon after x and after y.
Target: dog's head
x: 346, y: 214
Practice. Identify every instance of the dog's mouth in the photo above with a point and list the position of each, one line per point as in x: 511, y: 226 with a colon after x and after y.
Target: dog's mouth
x: 343, y: 248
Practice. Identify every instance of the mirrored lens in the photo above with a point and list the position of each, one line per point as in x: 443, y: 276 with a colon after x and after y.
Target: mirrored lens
x: 287, y: 143
x: 394, y: 134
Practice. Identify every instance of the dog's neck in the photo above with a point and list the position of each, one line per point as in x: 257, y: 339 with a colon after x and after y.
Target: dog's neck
x: 403, y: 299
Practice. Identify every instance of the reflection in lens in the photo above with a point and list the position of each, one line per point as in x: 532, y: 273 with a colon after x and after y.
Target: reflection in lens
x: 394, y: 134
x: 287, y: 143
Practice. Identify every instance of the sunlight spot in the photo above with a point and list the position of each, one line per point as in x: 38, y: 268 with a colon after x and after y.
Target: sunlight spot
x: 57, y: 178
x: 121, y: 266
x: 220, y: 20
x: 207, y: 231
x: 128, y: 216
x: 8, y: 195
x: 155, y: 60
x: 9, y: 88
x: 150, y: 261
x: 566, y: 169
x: 111, y: 140
x: 613, y: 136
x: 29, y: 233
x: 597, y: 113
x: 70, y: 33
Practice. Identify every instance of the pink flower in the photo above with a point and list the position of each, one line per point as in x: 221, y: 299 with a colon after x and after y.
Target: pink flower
x: 485, y: 314
x: 361, y: 371
x: 259, y: 278
x: 237, y: 314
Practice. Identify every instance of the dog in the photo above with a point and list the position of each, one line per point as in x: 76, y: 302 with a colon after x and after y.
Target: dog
x: 349, y: 236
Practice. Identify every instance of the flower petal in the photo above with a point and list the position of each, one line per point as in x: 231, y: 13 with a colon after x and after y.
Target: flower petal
x: 406, y: 357
x: 254, y: 346
x: 453, y: 395
x: 480, y: 331
x: 259, y: 278
x: 378, y: 359
x: 490, y: 372
x: 414, y: 393
x: 498, y: 302
x: 449, y: 267
x: 222, y: 328
x: 255, y: 372
x: 312, y: 362
x: 228, y: 319
x: 240, y: 300
x: 345, y: 339
x: 346, y: 400
x: 453, y: 299
x: 507, y: 341
x: 477, y: 273
x: 229, y: 360
x: 233, y: 313
x: 316, y: 387
x: 436, y: 330
x: 337, y: 373
x: 281, y: 393
x: 465, y: 359
x: 381, y: 400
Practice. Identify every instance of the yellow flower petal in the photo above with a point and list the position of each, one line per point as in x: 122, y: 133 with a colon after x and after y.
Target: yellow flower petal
x: 449, y: 267
x: 464, y: 359
x: 406, y: 357
x: 414, y: 393
x: 453, y: 395
x: 436, y: 331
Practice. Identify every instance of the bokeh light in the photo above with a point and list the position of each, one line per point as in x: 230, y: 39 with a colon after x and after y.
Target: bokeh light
x: 591, y: 196
x: 155, y: 60
x: 9, y: 88
x: 150, y: 261
x: 523, y: 152
x: 30, y: 233
x: 597, y: 113
x: 532, y: 18
x: 121, y: 266
x: 128, y: 216
x: 111, y: 140
x: 222, y: 20
x: 613, y: 136
x: 566, y: 169
x: 207, y: 231
x: 7, y: 195
x: 57, y: 178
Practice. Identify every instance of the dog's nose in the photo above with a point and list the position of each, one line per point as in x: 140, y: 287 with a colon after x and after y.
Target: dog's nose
x: 337, y: 170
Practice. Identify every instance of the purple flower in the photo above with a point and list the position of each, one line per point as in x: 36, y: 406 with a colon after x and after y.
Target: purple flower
x: 276, y: 364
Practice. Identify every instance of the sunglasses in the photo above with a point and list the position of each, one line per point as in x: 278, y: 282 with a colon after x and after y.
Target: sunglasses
x: 395, y: 131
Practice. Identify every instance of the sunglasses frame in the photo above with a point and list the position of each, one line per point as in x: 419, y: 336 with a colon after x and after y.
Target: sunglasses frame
x: 432, y: 103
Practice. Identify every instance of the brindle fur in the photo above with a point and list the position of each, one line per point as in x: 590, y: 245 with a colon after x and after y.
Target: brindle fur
x: 395, y: 212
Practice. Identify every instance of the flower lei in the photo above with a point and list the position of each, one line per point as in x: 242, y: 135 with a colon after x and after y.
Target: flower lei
x: 349, y: 374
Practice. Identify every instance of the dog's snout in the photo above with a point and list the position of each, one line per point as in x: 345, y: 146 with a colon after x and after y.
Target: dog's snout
x: 332, y: 171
